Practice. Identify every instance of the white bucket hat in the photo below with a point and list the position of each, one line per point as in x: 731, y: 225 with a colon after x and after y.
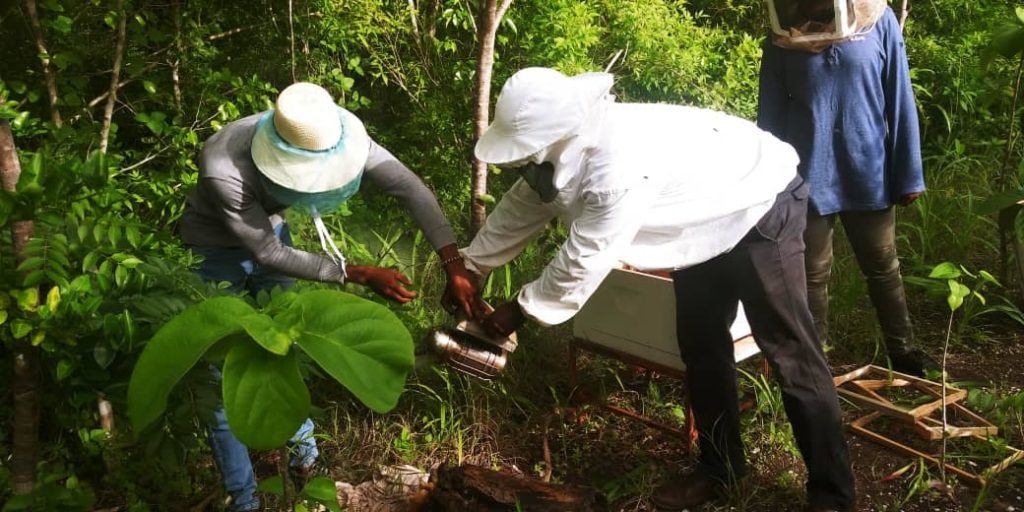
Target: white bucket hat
x: 308, y: 144
x: 312, y: 147
x: 536, y: 108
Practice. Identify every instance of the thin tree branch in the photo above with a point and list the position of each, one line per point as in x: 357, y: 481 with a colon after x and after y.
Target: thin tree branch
x: 291, y: 37
x: 413, y: 10
x: 49, y: 75
x: 502, y: 9
x: 115, y: 75
x: 176, y: 62
x: 904, y: 12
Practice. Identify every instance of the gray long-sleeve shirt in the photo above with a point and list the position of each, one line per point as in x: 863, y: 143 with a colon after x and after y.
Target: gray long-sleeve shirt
x: 231, y: 206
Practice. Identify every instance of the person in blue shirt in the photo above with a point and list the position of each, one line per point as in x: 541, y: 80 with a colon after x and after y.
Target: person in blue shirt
x: 836, y: 85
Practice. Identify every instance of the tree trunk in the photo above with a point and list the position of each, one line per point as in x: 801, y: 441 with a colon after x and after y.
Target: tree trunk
x: 176, y: 63
x: 490, y: 17
x: 904, y: 12
x: 49, y: 75
x: 26, y: 357
x: 482, y: 490
x: 115, y: 75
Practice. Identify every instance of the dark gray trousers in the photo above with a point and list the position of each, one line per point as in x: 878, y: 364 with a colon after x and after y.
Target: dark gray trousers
x: 765, y: 271
x: 872, y: 236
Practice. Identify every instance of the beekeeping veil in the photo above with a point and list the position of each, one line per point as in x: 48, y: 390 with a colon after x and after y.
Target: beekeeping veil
x: 793, y: 29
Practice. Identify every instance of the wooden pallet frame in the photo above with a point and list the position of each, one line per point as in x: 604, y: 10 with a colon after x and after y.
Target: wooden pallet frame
x: 859, y: 427
x: 864, y: 391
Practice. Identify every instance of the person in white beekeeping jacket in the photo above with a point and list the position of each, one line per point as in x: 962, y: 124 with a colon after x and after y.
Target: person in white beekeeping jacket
x: 704, y: 194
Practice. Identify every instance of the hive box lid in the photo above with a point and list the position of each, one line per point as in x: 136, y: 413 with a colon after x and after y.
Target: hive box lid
x: 634, y: 313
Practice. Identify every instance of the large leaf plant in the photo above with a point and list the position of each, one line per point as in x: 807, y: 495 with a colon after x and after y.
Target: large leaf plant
x: 361, y: 344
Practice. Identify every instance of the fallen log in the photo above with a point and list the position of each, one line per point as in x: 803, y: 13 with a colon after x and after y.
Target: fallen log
x: 479, y: 489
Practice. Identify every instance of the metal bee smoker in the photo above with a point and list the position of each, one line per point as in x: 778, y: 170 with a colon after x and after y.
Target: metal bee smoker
x: 468, y: 349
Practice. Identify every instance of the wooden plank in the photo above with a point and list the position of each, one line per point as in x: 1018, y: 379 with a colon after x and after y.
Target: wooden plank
x: 930, y: 407
x: 884, y: 407
x: 880, y: 384
x: 839, y: 380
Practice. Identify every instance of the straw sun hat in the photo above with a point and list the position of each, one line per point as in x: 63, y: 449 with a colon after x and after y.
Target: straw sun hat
x: 538, y: 107
x: 308, y: 144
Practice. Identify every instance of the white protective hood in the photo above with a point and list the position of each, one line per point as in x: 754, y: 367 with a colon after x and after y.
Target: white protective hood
x: 538, y: 107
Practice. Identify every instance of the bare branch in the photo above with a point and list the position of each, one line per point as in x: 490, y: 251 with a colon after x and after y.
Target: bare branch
x: 500, y: 13
x: 231, y: 32
x: 49, y: 75
x: 176, y: 62
x: 115, y: 75
x: 291, y: 37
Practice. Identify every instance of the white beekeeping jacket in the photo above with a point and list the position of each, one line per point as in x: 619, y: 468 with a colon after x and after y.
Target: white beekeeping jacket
x: 654, y: 186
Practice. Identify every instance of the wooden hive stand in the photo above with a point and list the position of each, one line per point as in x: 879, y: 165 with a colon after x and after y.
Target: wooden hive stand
x: 632, y: 318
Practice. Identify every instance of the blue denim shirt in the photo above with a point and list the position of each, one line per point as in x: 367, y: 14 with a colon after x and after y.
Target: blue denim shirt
x: 849, y: 111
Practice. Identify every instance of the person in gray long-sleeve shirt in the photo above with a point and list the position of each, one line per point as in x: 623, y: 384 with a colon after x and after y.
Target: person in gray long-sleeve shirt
x: 307, y: 153
x: 232, y: 207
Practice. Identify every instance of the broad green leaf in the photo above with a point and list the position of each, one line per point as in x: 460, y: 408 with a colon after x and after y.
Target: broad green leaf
x: 131, y: 262
x: 132, y: 234
x: 1007, y: 42
x: 359, y: 343
x: 3, y: 316
x: 945, y: 270
x: 90, y: 260
x: 149, y: 86
x: 957, y: 292
x: 988, y: 277
x: 273, y: 485
x: 120, y: 276
x: 38, y: 338
x: 64, y: 368
x: 999, y: 202
x: 323, y: 491
x: 265, y: 397
x: 103, y: 355
x: 62, y: 24
x: 267, y: 333
x: 20, y: 328
x: 1020, y: 14
x: 114, y: 235
x: 175, y: 348
x: 53, y: 298
x: 28, y: 299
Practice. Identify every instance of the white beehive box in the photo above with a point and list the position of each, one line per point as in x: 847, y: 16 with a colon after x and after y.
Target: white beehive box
x: 634, y: 313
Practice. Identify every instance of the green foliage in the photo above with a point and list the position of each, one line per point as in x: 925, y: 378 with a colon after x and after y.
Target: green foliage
x: 969, y: 293
x: 264, y: 396
x: 104, y: 270
x: 175, y: 349
x: 359, y: 343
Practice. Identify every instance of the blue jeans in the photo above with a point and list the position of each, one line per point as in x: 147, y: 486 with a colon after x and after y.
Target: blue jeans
x: 236, y: 265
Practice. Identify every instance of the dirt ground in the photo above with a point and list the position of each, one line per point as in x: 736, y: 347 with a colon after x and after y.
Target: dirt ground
x: 626, y: 460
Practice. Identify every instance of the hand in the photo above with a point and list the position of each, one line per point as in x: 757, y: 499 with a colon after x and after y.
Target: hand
x: 385, y: 281
x: 461, y: 292
x: 908, y: 199
x: 460, y: 295
x: 505, y: 320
